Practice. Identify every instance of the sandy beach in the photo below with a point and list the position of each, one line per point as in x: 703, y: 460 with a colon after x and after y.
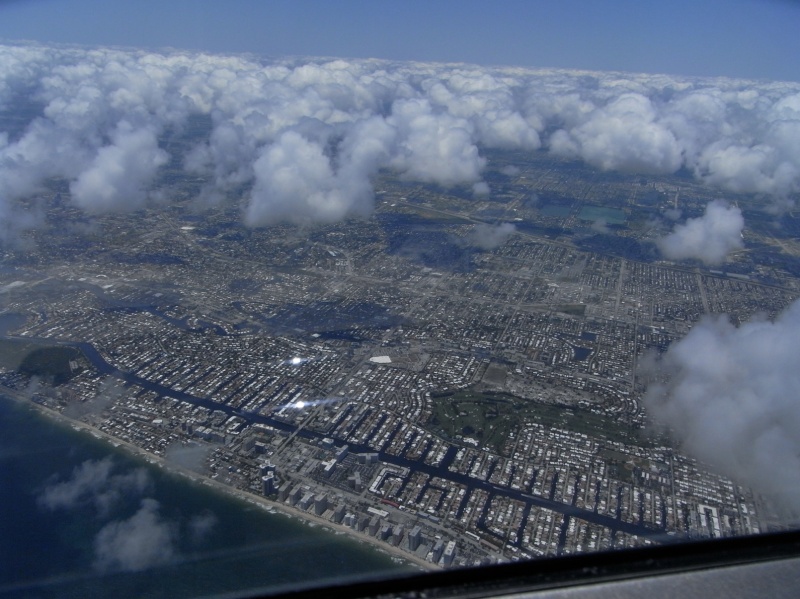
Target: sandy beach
x: 266, y: 504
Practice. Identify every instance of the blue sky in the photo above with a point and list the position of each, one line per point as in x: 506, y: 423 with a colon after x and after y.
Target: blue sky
x: 739, y: 38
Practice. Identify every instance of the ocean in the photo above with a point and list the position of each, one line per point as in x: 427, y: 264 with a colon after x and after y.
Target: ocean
x: 79, y: 518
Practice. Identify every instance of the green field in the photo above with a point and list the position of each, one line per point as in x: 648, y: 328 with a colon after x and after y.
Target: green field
x: 491, y: 417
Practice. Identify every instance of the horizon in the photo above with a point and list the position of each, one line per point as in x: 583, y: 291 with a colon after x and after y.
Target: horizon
x: 744, y: 39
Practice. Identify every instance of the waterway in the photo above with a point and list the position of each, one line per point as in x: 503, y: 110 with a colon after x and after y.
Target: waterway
x: 615, y: 524
x: 64, y: 551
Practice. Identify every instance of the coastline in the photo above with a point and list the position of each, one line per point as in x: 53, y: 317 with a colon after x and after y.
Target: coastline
x: 260, y: 501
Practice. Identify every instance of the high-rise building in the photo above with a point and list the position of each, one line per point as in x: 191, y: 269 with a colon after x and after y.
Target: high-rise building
x: 414, y: 538
x: 397, y: 534
x: 368, y: 458
x: 374, y: 525
x: 338, y: 514
x: 363, y: 523
x: 449, y: 553
x: 354, y: 482
x: 268, y: 484
x: 385, y: 532
x: 320, y: 504
x: 307, y: 500
x: 284, y: 490
x: 438, y: 549
x: 342, y: 453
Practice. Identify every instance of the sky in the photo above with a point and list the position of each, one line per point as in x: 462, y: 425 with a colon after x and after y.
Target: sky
x: 754, y: 39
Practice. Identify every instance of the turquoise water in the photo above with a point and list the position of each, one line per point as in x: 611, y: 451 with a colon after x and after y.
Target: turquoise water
x: 612, y: 216
x: 78, y: 519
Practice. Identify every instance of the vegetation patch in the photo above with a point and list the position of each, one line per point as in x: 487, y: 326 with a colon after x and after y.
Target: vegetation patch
x: 54, y: 365
x: 489, y: 418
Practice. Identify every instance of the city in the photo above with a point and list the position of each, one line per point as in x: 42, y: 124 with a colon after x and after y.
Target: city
x: 456, y: 378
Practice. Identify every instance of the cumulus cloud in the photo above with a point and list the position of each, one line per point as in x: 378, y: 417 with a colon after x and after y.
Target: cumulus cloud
x: 294, y: 181
x: 626, y: 134
x: 127, y: 541
x: 435, y: 146
x: 488, y: 237
x: 709, y: 238
x: 731, y: 399
x: 300, y: 140
x: 145, y: 540
x: 94, y: 483
x: 118, y: 177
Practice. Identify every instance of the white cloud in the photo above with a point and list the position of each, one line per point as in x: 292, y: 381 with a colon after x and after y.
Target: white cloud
x: 709, y: 238
x: 103, y: 112
x: 732, y: 400
x: 118, y: 177
x: 623, y: 135
x: 294, y: 181
x: 143, y: 541
x: 748, y: 169
x: 434, y: 147
x: 488, y: 237
x: 95, y: 483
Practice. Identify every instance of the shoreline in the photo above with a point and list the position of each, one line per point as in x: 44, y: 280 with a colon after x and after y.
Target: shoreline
x: 260, y: 501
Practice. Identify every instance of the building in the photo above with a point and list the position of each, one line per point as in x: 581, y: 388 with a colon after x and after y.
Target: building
x: 320, y: 504
x: 328, y: 468
x: 295, y: 495
x: 438, y: 549
x: 414, y: 538
x: 368, y: 458
x: 283, y: 491
x: 354, y: 482
x: 449, y: 553
x: 307, y: 500
x: 342, y: 453
x: 385, y: 532
x: 363, y: 523
x: 397, y: 534
x: 374, y: 525
x: 268, y: 484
